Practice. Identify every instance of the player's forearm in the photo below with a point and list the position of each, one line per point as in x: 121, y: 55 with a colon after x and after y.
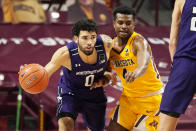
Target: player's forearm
x: 173, y: 39
x: 105, y: 80
x: 108, y: 68
x: 50, y: 68
x: 142, y: 64
x: 176, y: 18
x: 172, y: 50
x: 141, y: 70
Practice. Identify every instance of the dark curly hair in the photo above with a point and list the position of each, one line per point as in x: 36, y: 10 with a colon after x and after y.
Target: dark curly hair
x: 84, y: 25
x: 124, y: 10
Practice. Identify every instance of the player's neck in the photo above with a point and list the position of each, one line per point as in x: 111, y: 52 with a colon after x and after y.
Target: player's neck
x: 122, y: 41
x: 91, y: 59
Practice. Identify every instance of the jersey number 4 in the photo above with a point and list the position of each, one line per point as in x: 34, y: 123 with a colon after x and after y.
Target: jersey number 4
x: 193, y: 21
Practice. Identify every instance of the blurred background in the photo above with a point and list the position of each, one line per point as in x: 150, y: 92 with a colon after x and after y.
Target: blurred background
x: 30, y: 32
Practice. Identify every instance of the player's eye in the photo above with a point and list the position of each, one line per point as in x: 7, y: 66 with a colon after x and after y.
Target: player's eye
x: 120, y: 22
x: 85, y: 37
x: 93, y: 37
x: 128, y: 23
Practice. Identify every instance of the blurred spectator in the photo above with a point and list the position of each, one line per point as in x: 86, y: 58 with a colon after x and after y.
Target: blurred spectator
x: 89, y: 9
x: 28, y: 11
x: 111, y: 3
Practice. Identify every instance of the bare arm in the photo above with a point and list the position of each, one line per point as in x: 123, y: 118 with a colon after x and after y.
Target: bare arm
x: 108, y: 73
x: 107, y: 44
x: 142, y: 51
x: 60, y: 58
x: 176, y: 18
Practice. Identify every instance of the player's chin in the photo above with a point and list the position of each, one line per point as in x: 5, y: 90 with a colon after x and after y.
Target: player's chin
x: 123, y: 35
x: 88, y: 53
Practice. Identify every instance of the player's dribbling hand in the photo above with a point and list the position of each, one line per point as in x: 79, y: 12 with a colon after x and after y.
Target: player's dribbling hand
x: 21, y: 67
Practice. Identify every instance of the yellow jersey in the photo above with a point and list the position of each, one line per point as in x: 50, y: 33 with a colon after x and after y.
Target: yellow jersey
x: 146, y: 84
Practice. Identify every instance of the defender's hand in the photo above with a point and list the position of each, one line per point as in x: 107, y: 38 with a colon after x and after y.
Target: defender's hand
x: 112, y: 77
x: 100, y: 82
x: 130, y: 76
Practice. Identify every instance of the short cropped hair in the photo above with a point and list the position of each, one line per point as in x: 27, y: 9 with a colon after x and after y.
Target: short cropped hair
x: 124, y: 10
x: 84, y: 25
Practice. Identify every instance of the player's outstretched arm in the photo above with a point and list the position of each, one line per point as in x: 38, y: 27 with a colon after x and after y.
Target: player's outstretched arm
x: 60, y: 58
x: 34, y: 78
x: 142, y: 51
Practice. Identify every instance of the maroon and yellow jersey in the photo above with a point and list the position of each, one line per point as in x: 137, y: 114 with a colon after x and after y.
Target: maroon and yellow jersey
x: 126, y: 61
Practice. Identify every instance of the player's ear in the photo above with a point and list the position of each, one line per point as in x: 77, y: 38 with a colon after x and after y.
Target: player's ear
x: 114, y: 23
x: 134, y: 23
x: 75, y: 38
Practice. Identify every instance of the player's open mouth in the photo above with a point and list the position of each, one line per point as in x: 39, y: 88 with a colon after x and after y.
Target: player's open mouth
x: 123, y: 32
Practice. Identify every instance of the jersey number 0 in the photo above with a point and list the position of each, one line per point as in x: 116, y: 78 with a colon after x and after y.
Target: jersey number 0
x: 89, y: 80
x: 193, y: 21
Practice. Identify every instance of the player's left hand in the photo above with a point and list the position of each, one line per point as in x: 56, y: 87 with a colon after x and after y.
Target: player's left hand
x: 21, y: 67
x: 97, y: 83
x: 100, y: 82
x: 130, y: 76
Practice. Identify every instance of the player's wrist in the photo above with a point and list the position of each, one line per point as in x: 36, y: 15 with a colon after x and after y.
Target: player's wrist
x: 105, y: 80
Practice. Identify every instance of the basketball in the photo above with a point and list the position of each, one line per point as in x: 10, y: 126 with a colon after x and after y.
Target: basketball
x: 33, y: 78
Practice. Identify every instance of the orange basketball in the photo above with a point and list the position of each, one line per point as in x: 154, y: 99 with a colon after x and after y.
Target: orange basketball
x: 33, y: 78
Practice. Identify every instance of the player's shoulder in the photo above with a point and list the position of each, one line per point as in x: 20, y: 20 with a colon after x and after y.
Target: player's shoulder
x: 62, y: 52
x: 107, y: 40
x: 63, y: 49
x: 139, y: 37
x: 140, y: 41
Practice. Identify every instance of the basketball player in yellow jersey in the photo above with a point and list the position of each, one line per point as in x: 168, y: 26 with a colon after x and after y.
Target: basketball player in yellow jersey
x: 131, y: 59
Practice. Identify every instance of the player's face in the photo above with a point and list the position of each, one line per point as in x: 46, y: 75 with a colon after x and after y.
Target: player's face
x: 86, y: 42
x: 124, y: 25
